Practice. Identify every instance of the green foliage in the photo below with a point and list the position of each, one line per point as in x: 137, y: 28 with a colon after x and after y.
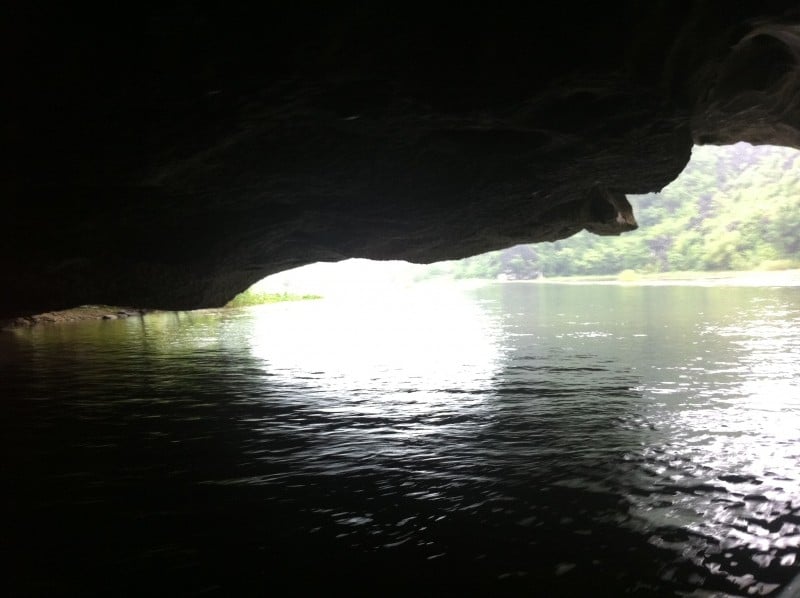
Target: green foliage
x: 629, y: 276
x: 732, y: 208
x: 255, y: 298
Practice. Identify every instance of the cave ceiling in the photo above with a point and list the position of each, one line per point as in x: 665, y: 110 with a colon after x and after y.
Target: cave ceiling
x: 170, y: 156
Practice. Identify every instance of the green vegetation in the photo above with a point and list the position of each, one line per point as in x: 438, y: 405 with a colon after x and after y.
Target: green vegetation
x: 732, y: 208
x: 250, y: 297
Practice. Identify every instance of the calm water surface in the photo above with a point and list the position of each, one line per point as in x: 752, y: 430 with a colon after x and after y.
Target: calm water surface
x: 514, y: 438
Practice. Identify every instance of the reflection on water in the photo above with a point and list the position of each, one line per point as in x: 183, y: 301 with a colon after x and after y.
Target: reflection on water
x: 361, y: 345
x: 520, y: 438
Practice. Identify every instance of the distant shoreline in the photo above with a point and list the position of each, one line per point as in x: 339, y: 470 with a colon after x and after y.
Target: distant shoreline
x: 779, y: 278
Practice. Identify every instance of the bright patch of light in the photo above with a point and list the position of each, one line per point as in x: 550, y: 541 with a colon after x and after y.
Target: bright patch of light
x: 402, y: 348
x: 349, y: 278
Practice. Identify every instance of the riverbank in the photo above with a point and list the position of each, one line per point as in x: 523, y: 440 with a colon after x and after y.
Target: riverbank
x: 250, y: 297
x: 76, y: 314
x: 787, y: 278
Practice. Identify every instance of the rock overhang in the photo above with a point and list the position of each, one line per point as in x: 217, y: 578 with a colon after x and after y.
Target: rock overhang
x: 170, y: 158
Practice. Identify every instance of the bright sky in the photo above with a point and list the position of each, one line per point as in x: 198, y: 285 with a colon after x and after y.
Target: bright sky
x: 337, y: 278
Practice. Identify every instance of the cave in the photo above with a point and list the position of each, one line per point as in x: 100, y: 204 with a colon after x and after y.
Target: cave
x: 170, y: 156
x: 513, y: 439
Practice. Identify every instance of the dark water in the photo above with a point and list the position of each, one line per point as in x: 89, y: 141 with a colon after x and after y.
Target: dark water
x: 520, y: 439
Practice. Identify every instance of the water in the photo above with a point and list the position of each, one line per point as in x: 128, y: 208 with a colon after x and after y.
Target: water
x: 514, y: 438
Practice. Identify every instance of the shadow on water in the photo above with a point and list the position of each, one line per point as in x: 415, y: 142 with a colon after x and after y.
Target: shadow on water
x: 509, y: 439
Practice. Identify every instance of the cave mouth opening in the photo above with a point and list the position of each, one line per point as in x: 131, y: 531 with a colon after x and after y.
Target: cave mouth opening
x: 734, y: 212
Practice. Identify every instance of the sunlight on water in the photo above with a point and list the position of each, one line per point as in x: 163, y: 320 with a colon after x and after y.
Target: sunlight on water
x: 427, y: 339
x: 728, y: 472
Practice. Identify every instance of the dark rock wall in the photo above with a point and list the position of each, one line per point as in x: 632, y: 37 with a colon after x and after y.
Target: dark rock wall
x: 169, y: 157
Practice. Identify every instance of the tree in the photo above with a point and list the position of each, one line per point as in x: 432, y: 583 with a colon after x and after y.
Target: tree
x: 732, y: 207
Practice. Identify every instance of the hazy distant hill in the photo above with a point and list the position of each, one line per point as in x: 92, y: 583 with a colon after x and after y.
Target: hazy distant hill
x: 734, y: 207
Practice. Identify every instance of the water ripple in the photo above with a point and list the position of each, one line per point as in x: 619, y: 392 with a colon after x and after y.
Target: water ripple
x: 507, y: 439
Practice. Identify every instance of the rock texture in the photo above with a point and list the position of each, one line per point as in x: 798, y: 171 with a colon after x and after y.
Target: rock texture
x: 171, y: 156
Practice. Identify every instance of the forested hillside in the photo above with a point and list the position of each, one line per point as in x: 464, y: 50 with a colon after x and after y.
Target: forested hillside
x: 733, y: 208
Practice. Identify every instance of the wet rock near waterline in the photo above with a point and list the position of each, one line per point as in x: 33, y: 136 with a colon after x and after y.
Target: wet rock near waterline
x: 172, y: 158
x: 77, y: 314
